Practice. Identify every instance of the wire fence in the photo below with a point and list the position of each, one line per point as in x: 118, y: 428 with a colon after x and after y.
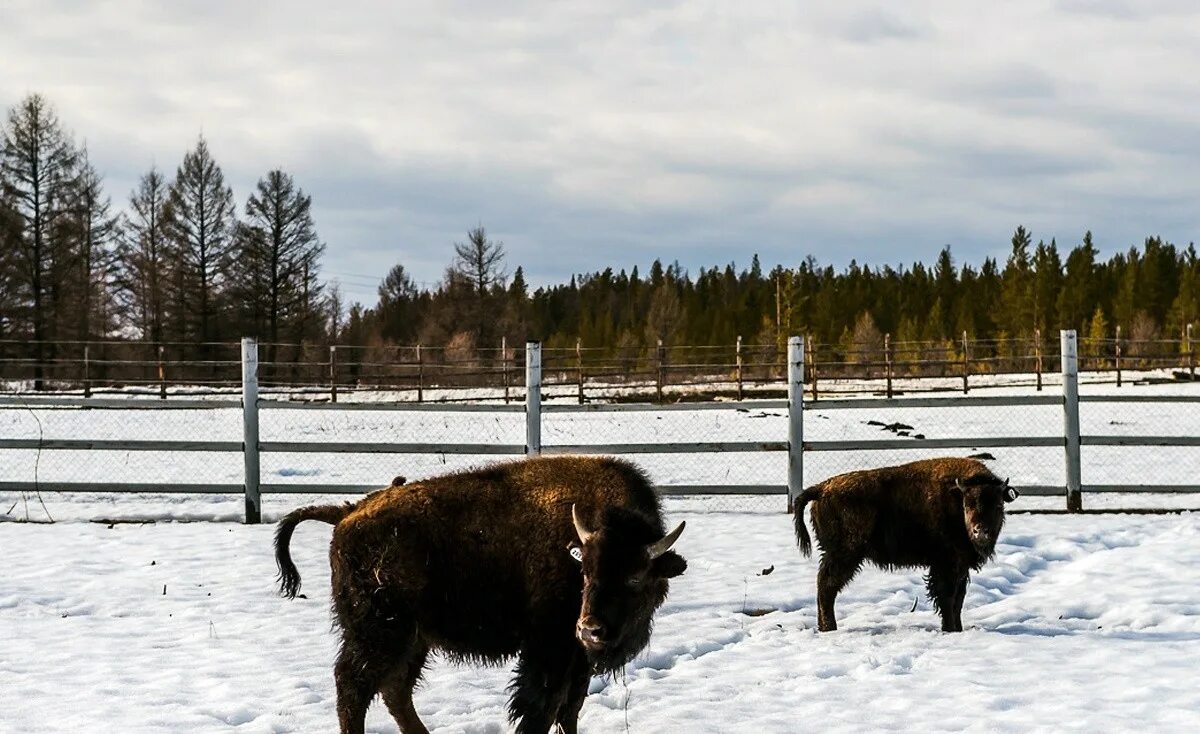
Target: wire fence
x: 189, y: 456
x: 660, y: 373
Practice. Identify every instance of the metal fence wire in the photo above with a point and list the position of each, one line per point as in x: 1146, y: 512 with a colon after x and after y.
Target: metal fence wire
x: 187, y: 456
x: 662, y: 373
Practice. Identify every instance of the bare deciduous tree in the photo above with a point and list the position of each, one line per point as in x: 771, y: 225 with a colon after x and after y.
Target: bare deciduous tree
x: 200, y: 226
x: 277, y: 259
x: 866, y: 340
x: 480, y: 262
x: 38, y: 172
x: 144, y: 257
x: 666, y: 315
x: 96, y: 229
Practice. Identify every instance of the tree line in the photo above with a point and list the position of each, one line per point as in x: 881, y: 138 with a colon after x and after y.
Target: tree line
x: 1152, y: 290
x: 182, y: 262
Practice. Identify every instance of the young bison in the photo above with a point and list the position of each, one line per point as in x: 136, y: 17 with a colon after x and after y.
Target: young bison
x: 559, y: 561
x: 940, y: 514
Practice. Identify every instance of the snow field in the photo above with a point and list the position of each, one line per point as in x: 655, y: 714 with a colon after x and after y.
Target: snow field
x: 1080, y: 623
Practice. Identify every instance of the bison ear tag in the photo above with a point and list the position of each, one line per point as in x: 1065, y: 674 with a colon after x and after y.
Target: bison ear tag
x: 576, y: 553
x: 1012, y: 494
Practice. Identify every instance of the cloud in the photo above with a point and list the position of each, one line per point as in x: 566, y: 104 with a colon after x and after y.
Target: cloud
x: 875, y: 25
x: 593, y: 134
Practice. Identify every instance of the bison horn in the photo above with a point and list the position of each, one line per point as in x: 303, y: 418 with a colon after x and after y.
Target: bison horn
x: 580, y: 529
x: 662, y: 546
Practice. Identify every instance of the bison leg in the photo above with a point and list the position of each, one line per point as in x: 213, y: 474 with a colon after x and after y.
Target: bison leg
x: 578, y: 679
x: 357, y: 681
x: 398, y: 694
x: 371, y: 653
x: 945, y: 585
x: 832, y: 576
x: 540, y: 687
x: 960, y: 595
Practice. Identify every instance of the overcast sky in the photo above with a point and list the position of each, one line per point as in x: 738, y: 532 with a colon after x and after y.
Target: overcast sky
x: 593, y: 134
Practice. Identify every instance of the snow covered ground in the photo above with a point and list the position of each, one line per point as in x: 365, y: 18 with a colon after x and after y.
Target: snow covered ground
x: 1082, y: 623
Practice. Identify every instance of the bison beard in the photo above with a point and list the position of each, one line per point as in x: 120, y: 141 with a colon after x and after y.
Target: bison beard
x: 940, y: 514
x: 559, y: 561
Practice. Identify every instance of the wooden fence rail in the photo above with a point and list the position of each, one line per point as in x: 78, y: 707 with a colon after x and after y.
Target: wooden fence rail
x: 794, y: 444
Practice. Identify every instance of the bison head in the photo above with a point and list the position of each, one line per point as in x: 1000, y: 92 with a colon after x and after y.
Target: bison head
x: 983, y: 512
x: 626, y: 562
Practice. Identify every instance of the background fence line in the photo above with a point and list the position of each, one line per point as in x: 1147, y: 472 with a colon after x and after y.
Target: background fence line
x: 330, y: 372
x: 794, y: 445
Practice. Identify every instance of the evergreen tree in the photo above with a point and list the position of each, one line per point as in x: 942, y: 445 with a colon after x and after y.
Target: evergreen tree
x: 945, y: 278
x: 397, y: 309
x: 1047, y: 286
x: 1185, y: 309
x: 1077, y: 294
x: 1016, y: 298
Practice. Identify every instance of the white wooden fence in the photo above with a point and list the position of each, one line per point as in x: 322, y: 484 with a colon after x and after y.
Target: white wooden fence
x: 793, y: 444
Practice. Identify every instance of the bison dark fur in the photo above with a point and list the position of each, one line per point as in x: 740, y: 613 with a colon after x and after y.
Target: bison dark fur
x: 558, y: 561
x: 941, y: 514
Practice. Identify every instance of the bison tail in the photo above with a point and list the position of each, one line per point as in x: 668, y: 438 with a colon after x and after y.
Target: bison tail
x: 802, y: 537
x: 289, y: 577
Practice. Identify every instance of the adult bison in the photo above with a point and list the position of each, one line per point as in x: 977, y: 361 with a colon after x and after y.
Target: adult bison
x: 559, y: 561
x: 940, y: 514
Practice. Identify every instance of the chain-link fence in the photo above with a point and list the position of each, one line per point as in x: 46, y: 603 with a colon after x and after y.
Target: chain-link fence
x: 720, y: 457
x: 184, y: 457
x: 71, y: 458
x: 662, y: 373
x: 984, y: 430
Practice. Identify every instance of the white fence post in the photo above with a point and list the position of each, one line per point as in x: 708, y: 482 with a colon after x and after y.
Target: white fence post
x: 795, y: 476
x: 250, y: 428
x: 1070, y: 375
x: 533, y: 398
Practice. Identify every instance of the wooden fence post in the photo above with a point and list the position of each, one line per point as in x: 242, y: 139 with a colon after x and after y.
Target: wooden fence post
x: 579, y: 367
x: 739, y: 367
x: 1117, y: 355
x: 810, y: 345
x: 1191, y: 353
x: 795, y: 475
x: 504, y: 364
x: 162, y: 373
x: 1037, y: 354
x: 1071, y: 442
x: 966, y: 362
x: 659, y: 381
x: 533, y: 398
x: 333, y: 373
x: 420, y: 376
x: 87, y: 382
x: 250, y: 429
x: 887, y: 362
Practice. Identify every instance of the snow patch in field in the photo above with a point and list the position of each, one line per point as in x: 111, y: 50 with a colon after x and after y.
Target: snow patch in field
x: 1086, y: 622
